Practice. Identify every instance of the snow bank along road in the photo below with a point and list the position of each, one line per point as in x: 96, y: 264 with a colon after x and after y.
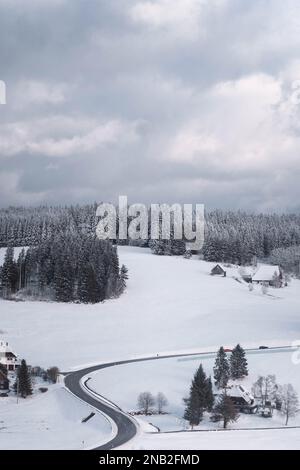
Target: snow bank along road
x: 127, y: 427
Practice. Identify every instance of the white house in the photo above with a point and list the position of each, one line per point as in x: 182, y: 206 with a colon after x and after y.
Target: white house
x: 266, y: 274
x: 7, y: 358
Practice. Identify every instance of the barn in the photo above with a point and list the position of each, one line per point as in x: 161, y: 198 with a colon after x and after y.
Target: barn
x: 218, y: 270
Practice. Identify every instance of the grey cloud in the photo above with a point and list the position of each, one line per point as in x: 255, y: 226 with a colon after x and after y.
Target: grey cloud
x: 91, y: 63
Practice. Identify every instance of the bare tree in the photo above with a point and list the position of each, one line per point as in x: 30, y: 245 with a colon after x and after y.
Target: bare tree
x: 264, y: 289
x: 289, y: 402
x: 265, y: 388
x: 53, y: 373
x: 226, y: 410
x: 145, y: 401
x: 162, y: 402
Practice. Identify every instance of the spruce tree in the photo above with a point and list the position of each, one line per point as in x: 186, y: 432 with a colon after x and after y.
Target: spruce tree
x: 210, y: 399
x: 202, y: 388
x: 23, y: 385
x: 63, y: 280
x: 200, y: 398
x: 21, y: 269
x: 238, y: 363
x: 123, y: 278
x: 221, y: 369
x: 192, y: 411
x: 9, y: 273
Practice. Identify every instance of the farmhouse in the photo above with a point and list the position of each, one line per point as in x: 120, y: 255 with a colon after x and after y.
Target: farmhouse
x: 271, y: 275
x: 7, y: 358
x: 218, y: 270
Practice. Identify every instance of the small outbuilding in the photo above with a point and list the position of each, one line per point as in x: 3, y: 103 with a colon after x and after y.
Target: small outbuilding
x: 218, y: 270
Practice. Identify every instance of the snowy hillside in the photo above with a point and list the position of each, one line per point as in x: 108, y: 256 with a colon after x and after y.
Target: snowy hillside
x: 50, y: 421
x: 276, y: 439
x: 171, y: 304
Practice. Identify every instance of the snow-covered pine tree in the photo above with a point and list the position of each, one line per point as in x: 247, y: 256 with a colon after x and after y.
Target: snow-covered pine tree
x: 23, y: 385
x: 192, y: 412
x: 123, y: 278
x: 221, y: 369
x: 238, y: 363
x: 63, y: 279
x: 21, y: 269
x: 210, y: 399
x: 9, y: 273
x: 200, y: 399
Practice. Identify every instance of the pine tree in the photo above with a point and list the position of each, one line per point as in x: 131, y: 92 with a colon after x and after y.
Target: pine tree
x: 9, y: 273
x: 238, y: 363
x: 225, y: 408
x: 202, y: 388
x: 192, y: 411
x: 23, y: 385
x: 21, y: 269
x: 221, y: 369
x: 63, y: 279
x: 200, y: 398
x: 123, y: 278
x: 210, y: 399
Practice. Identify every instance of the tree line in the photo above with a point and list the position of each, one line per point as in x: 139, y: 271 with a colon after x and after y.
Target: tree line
x: 234, y: 237
x: 66, y: 268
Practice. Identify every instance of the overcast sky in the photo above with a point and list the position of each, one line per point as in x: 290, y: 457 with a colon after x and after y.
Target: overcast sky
x: 160, y: 100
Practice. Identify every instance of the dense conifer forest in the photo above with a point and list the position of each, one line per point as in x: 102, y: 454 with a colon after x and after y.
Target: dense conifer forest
x: 233, y: 237
x: 66, y: 268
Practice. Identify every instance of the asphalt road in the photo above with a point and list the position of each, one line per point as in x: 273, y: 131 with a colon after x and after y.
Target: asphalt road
x: 126, y: 426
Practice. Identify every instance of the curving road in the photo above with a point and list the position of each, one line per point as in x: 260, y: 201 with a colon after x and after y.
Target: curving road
x: 127, y: 427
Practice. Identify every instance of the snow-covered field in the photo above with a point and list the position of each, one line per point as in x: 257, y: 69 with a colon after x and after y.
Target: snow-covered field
x: 276, y: 439
x: 52, y: 420
x: 171, y: 304
x: 173, y: 377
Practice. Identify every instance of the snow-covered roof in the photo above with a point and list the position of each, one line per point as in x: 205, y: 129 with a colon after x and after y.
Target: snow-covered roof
x: 247, y: 270
x: 266, y: 273
x: 220, y: 265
